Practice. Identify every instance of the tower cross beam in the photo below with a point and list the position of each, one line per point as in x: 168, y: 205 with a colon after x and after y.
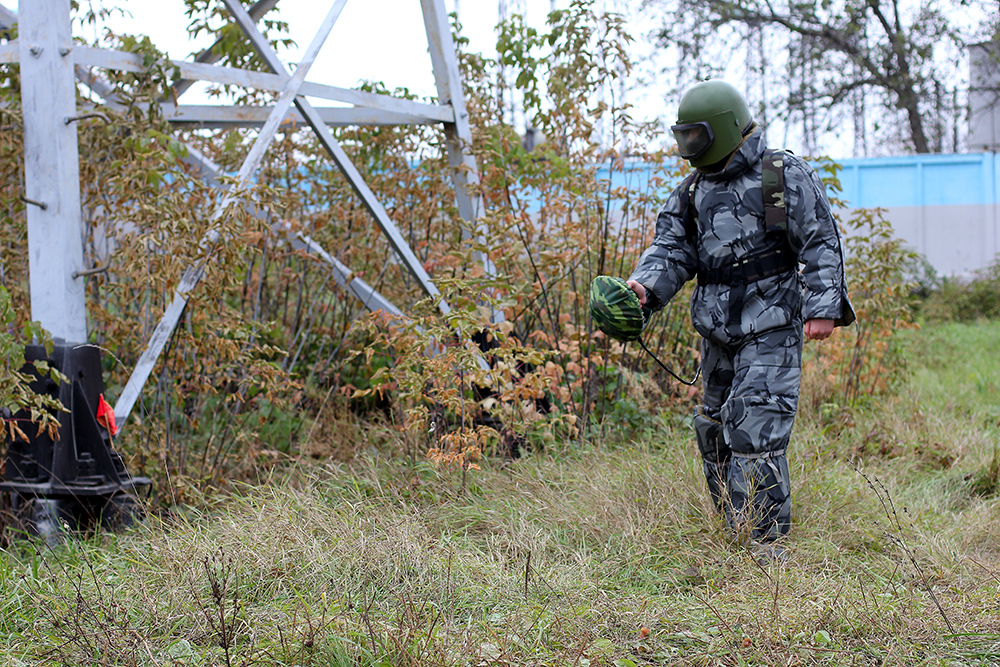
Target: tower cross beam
x: 237, y: 191
x: 341, y: 158
x: 367, y: 109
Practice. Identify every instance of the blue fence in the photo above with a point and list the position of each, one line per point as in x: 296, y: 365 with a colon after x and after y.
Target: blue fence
x: 921, y: 180
x: 943, y: 206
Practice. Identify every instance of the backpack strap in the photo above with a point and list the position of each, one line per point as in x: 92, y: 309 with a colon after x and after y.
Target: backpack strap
x: 689, y: 215
x: 762, y: 265
x: 773, y: 184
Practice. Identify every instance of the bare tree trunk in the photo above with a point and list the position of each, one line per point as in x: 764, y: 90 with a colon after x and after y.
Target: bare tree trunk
x: 876, y: 49
x: 908, y: 102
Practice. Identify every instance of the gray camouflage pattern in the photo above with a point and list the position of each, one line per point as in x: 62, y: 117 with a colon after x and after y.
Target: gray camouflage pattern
x: 730, y: 207
x: 744, y: 425
x: 752, y: 333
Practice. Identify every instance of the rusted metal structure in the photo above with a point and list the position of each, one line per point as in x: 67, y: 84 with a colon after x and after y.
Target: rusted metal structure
x: 46, y: 478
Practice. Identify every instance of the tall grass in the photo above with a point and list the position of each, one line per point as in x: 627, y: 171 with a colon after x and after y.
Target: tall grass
x: 606, y: 553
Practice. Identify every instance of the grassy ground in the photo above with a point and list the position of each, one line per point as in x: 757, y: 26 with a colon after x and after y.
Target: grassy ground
x: 592, y: 555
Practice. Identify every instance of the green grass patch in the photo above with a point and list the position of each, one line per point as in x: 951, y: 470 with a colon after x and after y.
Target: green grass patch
x: 599, y: 554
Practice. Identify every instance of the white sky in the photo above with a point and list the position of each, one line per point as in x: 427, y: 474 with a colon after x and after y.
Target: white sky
x: 373, y: 40
x: 384, y: 40
x: 381, y: 40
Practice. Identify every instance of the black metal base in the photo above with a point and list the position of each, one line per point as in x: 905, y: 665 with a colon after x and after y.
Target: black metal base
x: 54, y: 519
x: 77, y: 481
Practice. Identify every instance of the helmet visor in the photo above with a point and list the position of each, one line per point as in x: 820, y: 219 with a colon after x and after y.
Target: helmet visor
x: 693, y: 139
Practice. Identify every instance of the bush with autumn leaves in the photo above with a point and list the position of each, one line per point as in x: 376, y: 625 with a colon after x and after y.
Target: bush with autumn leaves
x: 274, y: 360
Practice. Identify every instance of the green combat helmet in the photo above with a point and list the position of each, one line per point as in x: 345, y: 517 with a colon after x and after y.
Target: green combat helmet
x: 711, y: 121
x: 615, y: 308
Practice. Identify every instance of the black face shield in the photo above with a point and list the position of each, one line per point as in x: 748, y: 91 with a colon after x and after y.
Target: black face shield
x: 693, y: 139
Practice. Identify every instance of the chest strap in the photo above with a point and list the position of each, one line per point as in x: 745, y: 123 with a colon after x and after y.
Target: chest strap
x: 754, y: 267
x: 780, y: 259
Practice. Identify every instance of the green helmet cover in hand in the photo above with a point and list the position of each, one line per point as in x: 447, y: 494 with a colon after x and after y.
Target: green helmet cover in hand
x: 615, y: 308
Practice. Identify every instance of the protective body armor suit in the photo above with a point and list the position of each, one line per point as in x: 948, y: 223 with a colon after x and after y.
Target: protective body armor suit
x: 751, y: 325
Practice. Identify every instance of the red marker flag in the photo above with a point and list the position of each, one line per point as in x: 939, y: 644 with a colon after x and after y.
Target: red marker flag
x: 106, y: 416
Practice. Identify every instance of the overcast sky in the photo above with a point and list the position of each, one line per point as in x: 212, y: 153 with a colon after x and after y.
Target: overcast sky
x: 384, y: 40
x: 374, y: 40
x: 381, y: 40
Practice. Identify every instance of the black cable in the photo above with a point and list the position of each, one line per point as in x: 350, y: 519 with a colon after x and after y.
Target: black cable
x: 664, y: 367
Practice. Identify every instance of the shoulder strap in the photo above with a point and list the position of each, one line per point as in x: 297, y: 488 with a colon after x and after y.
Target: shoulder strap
x: 689, y: 214
x: 773, y: 183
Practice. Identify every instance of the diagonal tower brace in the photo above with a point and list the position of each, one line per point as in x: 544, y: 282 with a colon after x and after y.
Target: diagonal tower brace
x: 369, y: 109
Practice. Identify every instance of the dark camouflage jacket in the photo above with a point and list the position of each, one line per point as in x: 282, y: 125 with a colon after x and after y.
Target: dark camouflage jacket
x: 730, y: 221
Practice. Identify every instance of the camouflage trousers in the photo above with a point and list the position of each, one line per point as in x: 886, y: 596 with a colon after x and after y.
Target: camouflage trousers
x: 751, y: 393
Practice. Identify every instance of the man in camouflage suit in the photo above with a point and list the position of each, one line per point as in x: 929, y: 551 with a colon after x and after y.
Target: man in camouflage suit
x: 755, y: 290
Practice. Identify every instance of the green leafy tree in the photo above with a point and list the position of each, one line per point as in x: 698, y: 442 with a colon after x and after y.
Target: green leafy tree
x: 17, y: 399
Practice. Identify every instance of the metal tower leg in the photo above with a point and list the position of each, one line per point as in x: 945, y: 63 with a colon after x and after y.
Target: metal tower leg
x: 52, y: 169
x: 465, y: 173
x: 73, y: 480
